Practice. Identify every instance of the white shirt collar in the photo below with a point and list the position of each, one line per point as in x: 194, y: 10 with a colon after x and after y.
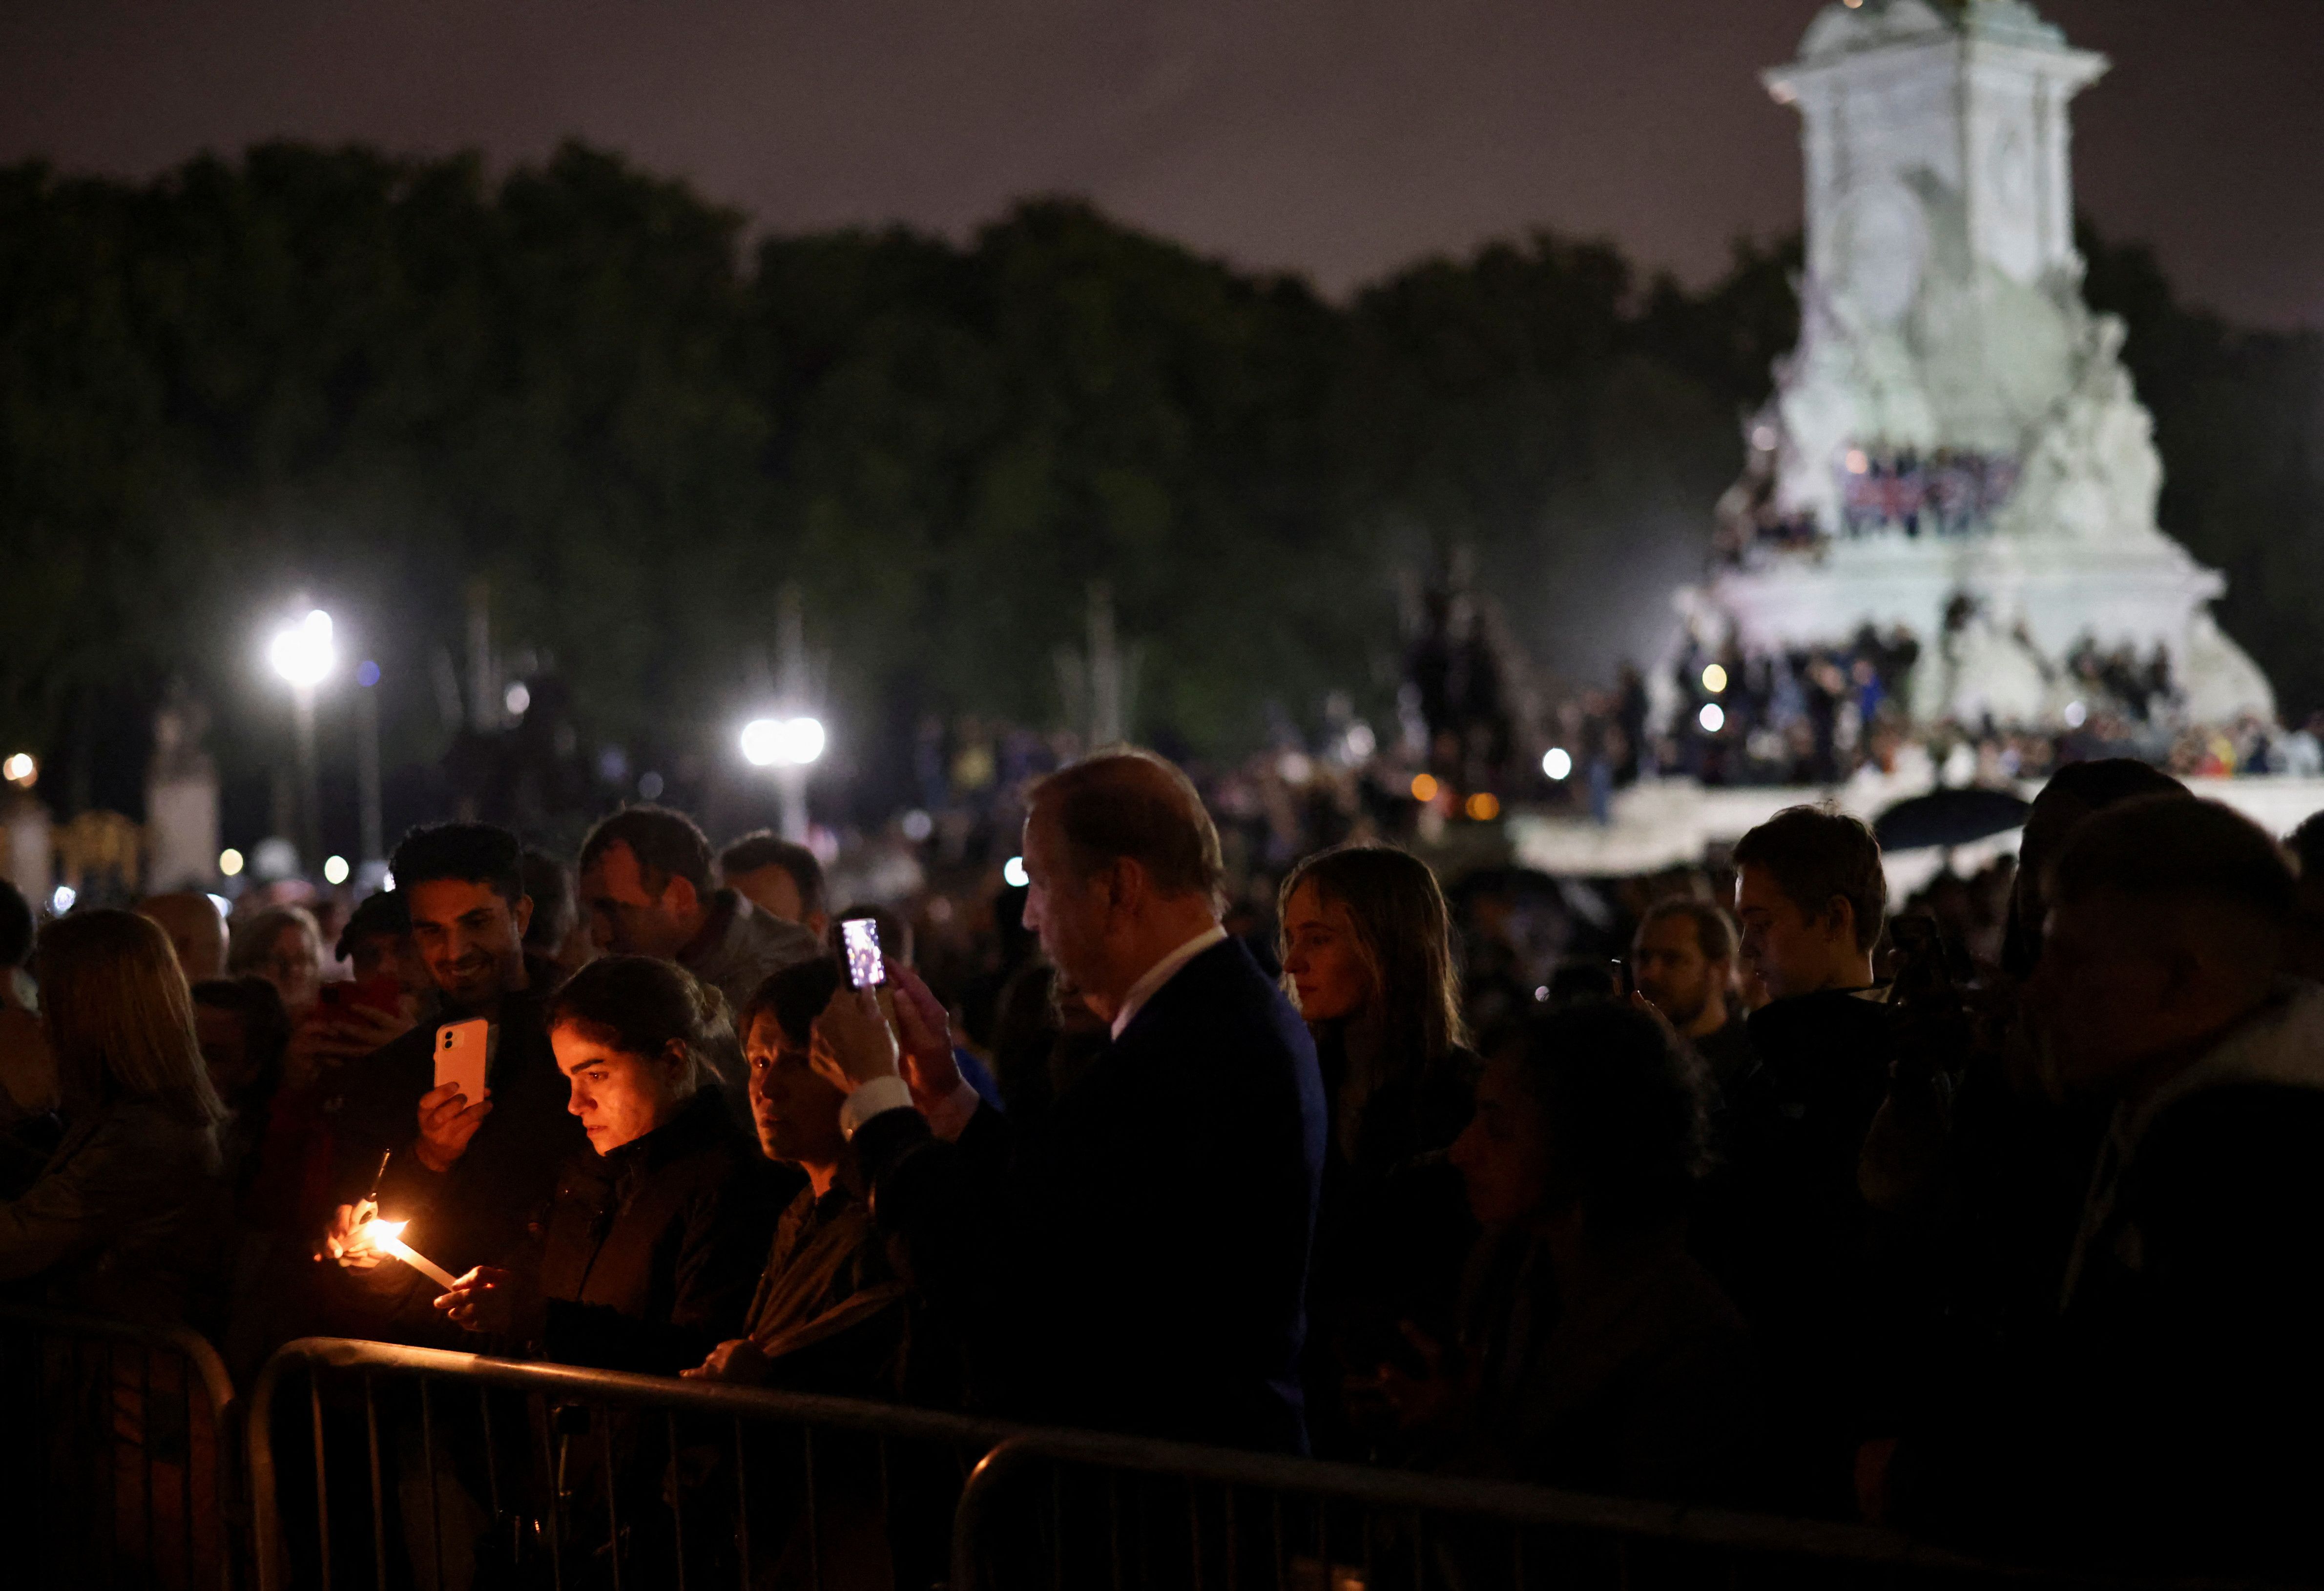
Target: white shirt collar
x: 1162, y: 973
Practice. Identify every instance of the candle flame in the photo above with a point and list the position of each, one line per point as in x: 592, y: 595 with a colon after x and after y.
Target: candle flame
x: 382, y: 1234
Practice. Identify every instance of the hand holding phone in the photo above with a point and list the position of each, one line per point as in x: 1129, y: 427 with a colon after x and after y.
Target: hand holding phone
x: 461, y: 1050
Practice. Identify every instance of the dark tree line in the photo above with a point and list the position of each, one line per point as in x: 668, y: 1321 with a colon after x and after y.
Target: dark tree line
x: 381, y: 380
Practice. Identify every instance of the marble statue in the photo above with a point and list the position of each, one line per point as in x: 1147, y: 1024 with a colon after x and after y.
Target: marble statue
x: 1954, y: 447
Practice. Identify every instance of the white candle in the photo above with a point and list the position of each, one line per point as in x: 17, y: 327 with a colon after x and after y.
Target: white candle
x: 388, y: 1235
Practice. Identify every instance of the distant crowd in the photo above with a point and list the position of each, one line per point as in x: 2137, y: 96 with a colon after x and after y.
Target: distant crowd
x: 1999, y: 1218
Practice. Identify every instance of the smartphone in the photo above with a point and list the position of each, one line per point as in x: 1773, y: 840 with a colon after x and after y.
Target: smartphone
x: 1626, y: 982
x: 859, y: 945
x: 461, y: 1048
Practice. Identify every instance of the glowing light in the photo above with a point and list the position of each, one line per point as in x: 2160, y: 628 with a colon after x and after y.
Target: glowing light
x: 387, y: 1236
x: 334, y: 870
x: 1857, y: 463
x: 1484, y: 806
x: 1557, y: 762
x: 23, y: 768
x: 1361, y: 741
x: 230, y: 862
x: 782, y: 742
x: 917, y: 826
x: 1763, y: 438
x: 62, y: 901
x: 1424, y: 787
x: 1713, y: 718
x: 302, y: 653
x: 650, y: 785
x: 2076, y: 715
x: 1295, y: 767
x: 1013, y: 873
x: 516, y: 699
x: 1714, y: 679
x: 366, y: 674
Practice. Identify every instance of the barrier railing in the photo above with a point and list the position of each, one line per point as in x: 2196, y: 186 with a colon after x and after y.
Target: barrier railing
x: 1068, y: 1509
x: 373, y: 1464
x: 409, y: 1466
x: 122, y: 1460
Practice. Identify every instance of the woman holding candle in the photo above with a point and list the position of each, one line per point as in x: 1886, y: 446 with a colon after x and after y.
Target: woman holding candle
x: 124, y: 1215
x: 653, y: 1244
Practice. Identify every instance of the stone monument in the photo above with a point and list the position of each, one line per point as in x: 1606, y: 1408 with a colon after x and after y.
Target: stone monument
x: 1954, y: 448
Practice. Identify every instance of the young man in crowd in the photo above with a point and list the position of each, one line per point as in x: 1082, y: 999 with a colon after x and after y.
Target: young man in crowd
x: 1797, y: 1246
x: 781, y: 879
x: 1683, y: 956
x: 1139, y: 1263
x: 467, y: 1174
x: 646, y: 883
x: 2167, y: 1417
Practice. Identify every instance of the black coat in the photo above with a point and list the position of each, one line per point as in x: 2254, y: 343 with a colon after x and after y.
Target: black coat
x: 1140, y: 1262
x: 1391, y: 1231
x: 2167, y: 1418
x: 648, y: 1256
x: 1787, y: 1232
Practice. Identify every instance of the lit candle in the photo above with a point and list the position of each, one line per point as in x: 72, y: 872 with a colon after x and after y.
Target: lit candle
x: 388, y: 1238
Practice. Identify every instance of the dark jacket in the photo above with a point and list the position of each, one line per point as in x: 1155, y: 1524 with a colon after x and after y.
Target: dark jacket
x: 1794, y: 1242
x: 1646, y: 1387
x: 648, y: 1256
x: 2167, y: 1418
x: 1391, y: 1228
x: 830, y: 1313
x: 1146, y: 1257
x: 127, y: 1217
x: 479, y: 1211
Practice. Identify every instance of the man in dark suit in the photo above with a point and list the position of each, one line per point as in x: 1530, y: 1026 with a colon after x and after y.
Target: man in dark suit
x: 1139, y: 1263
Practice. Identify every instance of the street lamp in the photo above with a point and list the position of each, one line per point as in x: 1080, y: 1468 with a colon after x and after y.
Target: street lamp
x: 788, y: 746
x: 302, y: 654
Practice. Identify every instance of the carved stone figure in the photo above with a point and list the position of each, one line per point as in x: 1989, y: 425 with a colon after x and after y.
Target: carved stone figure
x: 1955, y: 422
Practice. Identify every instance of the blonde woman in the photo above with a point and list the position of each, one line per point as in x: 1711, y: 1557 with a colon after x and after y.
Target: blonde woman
x: 126, y: 1211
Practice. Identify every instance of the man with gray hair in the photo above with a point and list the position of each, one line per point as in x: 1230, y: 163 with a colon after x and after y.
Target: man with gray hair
x: 1144, y: 1268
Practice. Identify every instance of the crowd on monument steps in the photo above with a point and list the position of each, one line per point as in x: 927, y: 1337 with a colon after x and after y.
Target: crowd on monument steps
x: 1999, y: 1219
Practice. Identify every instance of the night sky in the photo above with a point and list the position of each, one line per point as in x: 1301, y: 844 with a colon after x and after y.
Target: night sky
x: 1337, y: 137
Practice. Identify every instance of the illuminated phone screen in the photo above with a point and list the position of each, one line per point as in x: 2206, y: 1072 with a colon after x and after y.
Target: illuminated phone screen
x: 860, y: 938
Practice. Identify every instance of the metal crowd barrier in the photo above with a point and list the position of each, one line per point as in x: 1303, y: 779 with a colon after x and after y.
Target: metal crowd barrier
x: 376, y: 1465
x: 121, y: 1459
x: 382, y: 1466
x: 1069, y: 1509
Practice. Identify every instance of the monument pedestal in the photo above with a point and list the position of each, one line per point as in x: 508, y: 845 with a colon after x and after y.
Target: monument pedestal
x: 1955, y: 449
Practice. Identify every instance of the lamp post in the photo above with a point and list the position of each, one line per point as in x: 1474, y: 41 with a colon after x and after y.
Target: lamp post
x: 302, y: 654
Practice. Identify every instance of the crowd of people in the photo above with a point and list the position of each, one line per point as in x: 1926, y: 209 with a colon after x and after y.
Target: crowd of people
x: 1996, y: 1218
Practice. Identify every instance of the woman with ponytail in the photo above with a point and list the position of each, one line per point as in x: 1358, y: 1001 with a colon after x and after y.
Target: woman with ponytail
x: 652, y: 1248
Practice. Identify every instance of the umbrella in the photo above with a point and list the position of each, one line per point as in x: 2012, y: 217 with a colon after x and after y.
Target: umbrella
x: 1949, y: 816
